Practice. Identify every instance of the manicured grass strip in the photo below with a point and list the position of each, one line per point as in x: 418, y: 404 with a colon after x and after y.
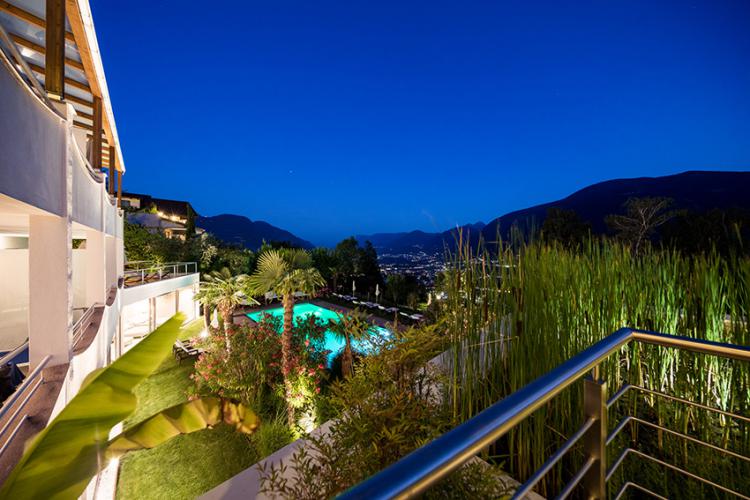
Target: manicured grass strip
x: 187, y: 465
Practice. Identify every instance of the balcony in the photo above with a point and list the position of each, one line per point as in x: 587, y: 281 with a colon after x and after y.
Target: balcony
x: 142, y: 272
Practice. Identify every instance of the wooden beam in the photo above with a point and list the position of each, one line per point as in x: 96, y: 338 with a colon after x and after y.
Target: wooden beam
x: 85, y: 115
x: 78, y: 100
x: 96, y: 144
x: 68, y: 81
x: 104, y: 139
x: 77, y: 36
x: 29, y: 18
x: 54, y: 52
x: 110, y: 175
x: 79, y: 33
x: 42, y: 50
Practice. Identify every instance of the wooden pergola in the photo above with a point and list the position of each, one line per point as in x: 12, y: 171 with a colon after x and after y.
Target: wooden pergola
x: 68, y: 66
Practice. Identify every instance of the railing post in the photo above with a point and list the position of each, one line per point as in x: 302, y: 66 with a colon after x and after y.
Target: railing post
x: 143, y: 277
x: 595, y: 440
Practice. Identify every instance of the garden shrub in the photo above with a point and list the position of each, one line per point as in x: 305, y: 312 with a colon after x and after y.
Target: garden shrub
x: 393, y: 404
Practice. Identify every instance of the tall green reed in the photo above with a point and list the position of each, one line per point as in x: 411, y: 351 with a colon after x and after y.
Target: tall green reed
x: 514, y: 314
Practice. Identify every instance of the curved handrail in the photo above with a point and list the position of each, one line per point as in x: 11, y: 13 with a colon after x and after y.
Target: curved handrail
x: 36, y: 87
x: 432, y: 462
x: 15, y: 352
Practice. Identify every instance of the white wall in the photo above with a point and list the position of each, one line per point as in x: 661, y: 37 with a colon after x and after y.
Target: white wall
x: 79, y: 280
x: 14, y: 298
x: 187, y: 304
x: 141, y: 292
x: 32, y: 146
x: 165, y: 308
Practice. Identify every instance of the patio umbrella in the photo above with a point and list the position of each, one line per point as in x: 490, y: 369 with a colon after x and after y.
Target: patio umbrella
x: 354, y: 287
x: 377, y: 291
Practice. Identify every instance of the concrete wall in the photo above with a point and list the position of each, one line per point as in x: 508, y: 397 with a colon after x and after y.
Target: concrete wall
x: 79, y: 281
x: 33, y: 143
x: 141, y: 292
x: 14, y: 298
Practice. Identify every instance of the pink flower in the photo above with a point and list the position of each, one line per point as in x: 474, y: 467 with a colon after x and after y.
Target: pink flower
x: 317, y: 390
x: 307, y: 343
x: 320, y: 367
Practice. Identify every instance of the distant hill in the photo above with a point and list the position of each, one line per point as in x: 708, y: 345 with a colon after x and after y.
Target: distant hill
x: 419, y: 240
x: 697, y: 191
x: 239, y: 230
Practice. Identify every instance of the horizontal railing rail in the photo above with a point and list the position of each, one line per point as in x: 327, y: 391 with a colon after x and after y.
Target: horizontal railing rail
x: 83, y: 323
x: 11, y: 53
x: 11, y: 355
x: 424, y: 467
x: 157, y: 272
x: 22, y: 394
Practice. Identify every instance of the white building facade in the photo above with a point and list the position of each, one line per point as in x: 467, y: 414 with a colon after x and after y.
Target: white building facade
x: 66, y: 307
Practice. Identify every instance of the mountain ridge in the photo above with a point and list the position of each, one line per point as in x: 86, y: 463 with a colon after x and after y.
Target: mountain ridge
x: 694, y: 190
x: 240, y: 230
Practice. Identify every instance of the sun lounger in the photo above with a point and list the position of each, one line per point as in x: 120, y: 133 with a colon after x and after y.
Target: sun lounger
x: 185, y: 350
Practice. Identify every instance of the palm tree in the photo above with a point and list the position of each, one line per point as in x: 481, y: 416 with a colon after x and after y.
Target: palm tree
x: 285, y: 272
x: 225, y: 292
x: 350, y: 327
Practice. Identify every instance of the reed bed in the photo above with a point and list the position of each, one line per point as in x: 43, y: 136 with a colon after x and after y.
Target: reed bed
x: 513, y: 315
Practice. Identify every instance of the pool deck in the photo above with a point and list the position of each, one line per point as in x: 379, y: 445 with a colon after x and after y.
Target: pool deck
x: 240, y: 316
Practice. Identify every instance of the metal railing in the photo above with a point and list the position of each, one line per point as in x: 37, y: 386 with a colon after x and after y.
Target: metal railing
x: 139, y: 273
x: 83, y: 323
x: 11, y: 53
x: 427, y: 465
x: 23, y: 394
x: 9, y: 356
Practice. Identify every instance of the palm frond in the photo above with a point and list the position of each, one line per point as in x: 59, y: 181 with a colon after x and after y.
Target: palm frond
x: 271, y: 271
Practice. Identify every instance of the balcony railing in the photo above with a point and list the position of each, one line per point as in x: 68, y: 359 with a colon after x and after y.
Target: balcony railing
x: 12, y: 411
x: 427, y: 465
x: 142, y: 272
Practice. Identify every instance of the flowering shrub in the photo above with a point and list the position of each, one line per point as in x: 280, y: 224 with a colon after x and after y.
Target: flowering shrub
x: 246, y: 366
x: 308, y: 364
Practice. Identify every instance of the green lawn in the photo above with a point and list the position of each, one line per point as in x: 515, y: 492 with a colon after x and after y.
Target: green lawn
x: 188, y: 465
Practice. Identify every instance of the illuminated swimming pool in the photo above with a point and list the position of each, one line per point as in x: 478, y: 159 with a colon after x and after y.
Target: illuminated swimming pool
x: 332, y: 342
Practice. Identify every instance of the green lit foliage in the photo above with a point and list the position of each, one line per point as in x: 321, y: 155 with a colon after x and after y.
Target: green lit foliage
x: 389, y: 407
x: 224, y: 291
x: 352, y: 326
x: 249, y: 367
x: 286, y: 272
x: 519, y: 314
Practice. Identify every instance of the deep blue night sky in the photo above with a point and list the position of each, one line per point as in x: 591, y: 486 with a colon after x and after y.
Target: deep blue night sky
x: 335, y: 118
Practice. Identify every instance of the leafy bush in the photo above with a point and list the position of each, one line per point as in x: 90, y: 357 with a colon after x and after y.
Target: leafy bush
x: 247, y: 368
x: 391, y: 405
x: 272, y: 436
x: 246, y: 365
x: 336, y: 372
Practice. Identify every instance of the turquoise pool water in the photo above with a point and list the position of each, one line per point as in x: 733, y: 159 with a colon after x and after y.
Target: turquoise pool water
x: 332, y: 342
